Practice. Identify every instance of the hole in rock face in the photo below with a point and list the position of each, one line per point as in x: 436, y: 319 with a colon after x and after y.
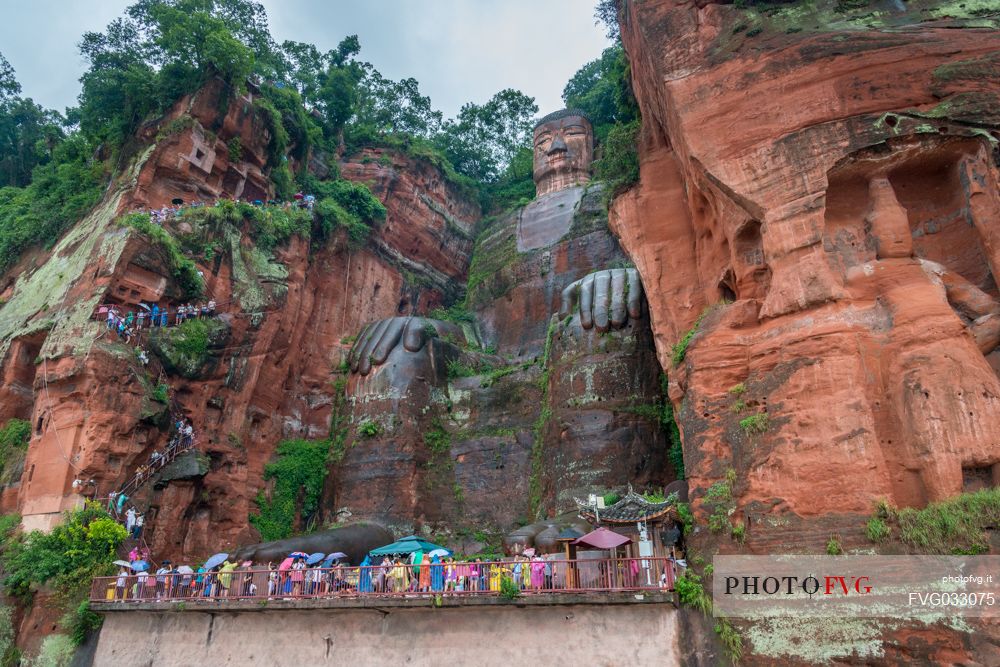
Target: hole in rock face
x: 976, y: 478
x: 891, y: 121
x: 401, y: 308
x: 199, y: 154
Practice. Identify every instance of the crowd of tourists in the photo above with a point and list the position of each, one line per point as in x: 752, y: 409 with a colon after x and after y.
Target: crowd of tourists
x: 182, y: 440
x: 158, y: 216
x: 302, y: 575
x: 127, y: 323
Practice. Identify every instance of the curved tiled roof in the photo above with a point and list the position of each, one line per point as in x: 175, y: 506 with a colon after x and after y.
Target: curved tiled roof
x: 630, y: 509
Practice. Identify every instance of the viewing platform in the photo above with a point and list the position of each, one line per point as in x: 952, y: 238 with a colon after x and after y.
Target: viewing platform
x: 587, y: 611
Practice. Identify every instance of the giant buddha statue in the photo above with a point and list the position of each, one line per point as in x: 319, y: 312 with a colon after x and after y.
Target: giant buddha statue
x: 543, y: 397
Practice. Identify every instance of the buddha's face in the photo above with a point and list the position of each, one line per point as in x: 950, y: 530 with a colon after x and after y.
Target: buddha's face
x: 564, y: 149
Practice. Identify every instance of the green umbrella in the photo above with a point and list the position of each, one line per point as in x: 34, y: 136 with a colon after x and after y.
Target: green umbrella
x: 406, y: 545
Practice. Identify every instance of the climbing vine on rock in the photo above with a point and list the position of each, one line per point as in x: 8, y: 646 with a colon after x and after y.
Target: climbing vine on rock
x: 298, y: 471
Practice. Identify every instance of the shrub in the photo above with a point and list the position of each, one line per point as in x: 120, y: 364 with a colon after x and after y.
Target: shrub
x: 611, y: 498
x: 691, y: 592
x: 508, y: 589
x: 618, y: 166
x: 686, y: 517
x: 298, y: 471
x: 60, y: 193
x: 719, y: 500
x: 737, y: 389
x: 755, y: 424
x: 14, y: 438
x: 369, y: 428
x: 161, y: 393
x: 67, y: 558
x: 833, y: 547
x: 877, y: 529
x: 80, y: 621
x: 738, y: 532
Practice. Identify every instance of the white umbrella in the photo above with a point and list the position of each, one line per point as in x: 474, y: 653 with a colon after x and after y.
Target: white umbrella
x: 185, y: 569
x: 440, y: 553
x: 123, y: 563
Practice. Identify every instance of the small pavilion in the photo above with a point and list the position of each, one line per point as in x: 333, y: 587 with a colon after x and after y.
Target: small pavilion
x: 630, y: 514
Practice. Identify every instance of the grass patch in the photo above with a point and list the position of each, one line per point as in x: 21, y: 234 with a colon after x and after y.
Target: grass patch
x: 954, y: 526
x: 720, y: 503
x: 755, y: 424
x: 833, y: 547
x: 679, y: 350
x: 369, y: 428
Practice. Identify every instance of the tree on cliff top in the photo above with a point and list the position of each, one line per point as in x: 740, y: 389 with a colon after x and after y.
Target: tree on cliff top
x: 162, y: 49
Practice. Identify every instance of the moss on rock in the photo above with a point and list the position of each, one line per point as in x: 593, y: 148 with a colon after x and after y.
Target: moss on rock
x: 189, y: 349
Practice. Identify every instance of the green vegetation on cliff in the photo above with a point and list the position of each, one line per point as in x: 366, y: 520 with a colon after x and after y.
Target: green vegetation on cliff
x: 65, y: 559
x: 297, y: 474
x: 187, y: 349
x: 14, y: 437
x: 182, y: 269
x: 954, y: 526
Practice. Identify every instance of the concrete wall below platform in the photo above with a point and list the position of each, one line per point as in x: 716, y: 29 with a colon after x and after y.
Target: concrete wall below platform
x: 592, y: 635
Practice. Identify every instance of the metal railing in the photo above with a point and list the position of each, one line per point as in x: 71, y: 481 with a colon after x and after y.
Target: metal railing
x: 460, y: 579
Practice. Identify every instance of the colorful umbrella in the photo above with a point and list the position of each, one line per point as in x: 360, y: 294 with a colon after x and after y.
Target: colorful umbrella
x: 286, y: 564
x: 217, y: 559
x: 407, y: 545
x: 140, y: 566
x: 314, y: 558
x: 328, y: 561
x: 529, y: 552
x: 298, y: 554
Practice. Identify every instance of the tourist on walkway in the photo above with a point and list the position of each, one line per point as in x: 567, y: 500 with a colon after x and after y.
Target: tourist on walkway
x: 537, y: 572
x: 120, y: 584
x: 130, y: 520
x: 137, y: 529
x: 298, y: 576
x: 425, y: 574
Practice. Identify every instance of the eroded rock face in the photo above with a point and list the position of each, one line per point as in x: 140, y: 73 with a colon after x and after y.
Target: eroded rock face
x: 828, y: 190
x: 269, y: 364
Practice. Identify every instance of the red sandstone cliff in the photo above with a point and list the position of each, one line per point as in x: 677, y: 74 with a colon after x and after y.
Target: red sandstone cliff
x: 819, y: 198
x: 284, y: 319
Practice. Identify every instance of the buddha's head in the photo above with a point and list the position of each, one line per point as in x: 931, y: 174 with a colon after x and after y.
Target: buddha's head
x: 564, y: 149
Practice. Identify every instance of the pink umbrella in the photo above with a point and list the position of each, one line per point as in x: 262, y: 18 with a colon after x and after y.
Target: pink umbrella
x: 286, y: 564
x: 529, y: 552
x: 602, y: 538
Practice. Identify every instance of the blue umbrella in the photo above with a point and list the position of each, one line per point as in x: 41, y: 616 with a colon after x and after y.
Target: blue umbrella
x: 217, y: 559
x: 139, y: 566
x: 298, y: 554
x: 314, y: 558
x: 407, y: 545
